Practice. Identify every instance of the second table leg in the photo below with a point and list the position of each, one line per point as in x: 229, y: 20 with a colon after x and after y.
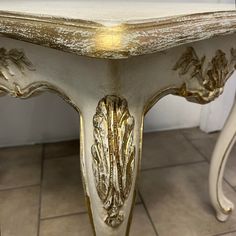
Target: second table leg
x: 220, y: 155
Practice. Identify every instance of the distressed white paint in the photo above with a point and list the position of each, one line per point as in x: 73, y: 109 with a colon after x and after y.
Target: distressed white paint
x: 112, y: 10
x: 170, y: 113
x: 86, y: 81
x: 131, y: 37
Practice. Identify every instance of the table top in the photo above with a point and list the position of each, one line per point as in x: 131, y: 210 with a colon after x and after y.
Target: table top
x: 114, y: 30
x: 108, y: 12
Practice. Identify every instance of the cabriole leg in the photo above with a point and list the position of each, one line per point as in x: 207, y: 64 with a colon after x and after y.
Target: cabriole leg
x: 111, y: 131
x: 219, y: 159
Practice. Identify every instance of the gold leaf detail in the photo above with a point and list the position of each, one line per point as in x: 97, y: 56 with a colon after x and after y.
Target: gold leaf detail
x: 211, y: 76
x: 15, y: 57
x: 113, y: 155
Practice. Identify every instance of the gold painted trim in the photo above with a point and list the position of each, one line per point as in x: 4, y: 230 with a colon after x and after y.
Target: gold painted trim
x: 133, y: 38
x: 13, y: 57
x: 210, y: 75
x: 158, y: 95
x: 113, y: 155
x: 35, y: 89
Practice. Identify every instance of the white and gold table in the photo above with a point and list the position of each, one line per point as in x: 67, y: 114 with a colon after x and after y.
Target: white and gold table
x: 112, y: 63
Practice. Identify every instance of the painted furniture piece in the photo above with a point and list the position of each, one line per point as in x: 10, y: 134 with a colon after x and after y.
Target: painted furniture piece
x: 112, y: 64
x: 219, y: 159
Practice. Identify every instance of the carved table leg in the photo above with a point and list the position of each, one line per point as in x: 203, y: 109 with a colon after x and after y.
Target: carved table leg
x: 110, y: 147
x: 220, y: 155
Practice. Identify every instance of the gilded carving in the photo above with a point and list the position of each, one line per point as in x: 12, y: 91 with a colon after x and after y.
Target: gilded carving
x: 34, y: 89
x: 13, y: 57
x: 113, y: 155
x: 204, y: 80
x: 96, y: 39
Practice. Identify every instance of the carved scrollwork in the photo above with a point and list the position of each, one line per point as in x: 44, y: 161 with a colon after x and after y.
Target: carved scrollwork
x: 13, y: 57
x: 31, y: 90
x: 113, y: 155
x: 34, y: 89
x: 204, y: 81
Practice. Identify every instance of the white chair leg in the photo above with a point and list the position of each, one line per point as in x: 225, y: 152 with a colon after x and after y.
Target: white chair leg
x: 224, y: 144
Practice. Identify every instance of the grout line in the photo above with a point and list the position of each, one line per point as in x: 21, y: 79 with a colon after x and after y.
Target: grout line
x: 225, y: 233
x: 40, y: 191
x: 230, y: 185
x: 65, y: 215
x: 199, y: 152
x: 171, y: 166
x: 72, y: 214
x: 19, y: 187
x: 149, y: 217
x: 61, y: 157
x: 206, y: 159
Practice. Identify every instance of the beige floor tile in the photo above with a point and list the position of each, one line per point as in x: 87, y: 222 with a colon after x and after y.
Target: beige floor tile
x: 79, y: 225
x: 196, y: 133
x: 206, y: 147
x: 138, y: 199
x: 167, y: 148
x: 20, y: 166
x: 61, y: 149
x: 19, y: 212
x: 62, y: 190
x: 141, y: 224
x: 178, y: 202
x: 229, y: 234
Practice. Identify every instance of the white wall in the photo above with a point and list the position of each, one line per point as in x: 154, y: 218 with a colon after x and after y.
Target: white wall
x: 47, y: 118
x: 44, y: 118
x: 172, y: 112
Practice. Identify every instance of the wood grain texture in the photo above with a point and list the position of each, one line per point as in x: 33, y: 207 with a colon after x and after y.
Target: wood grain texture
x: 123, y: 40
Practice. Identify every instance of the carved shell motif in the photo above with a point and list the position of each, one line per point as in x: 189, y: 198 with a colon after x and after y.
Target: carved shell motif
x: 113, y: 155
x: 12, y: 57
x: 211, y: 76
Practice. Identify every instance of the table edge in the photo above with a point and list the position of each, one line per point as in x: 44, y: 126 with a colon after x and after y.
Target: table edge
x: 121, y: 40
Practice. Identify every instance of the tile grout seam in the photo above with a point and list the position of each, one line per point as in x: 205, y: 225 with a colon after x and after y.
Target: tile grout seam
x: 72, y: 214
x: 40, y: 190
x: 172, y: 166
x: 225, y: 233
x: 147, y: 212
x: 62, y: 157
x: 206, y: 159
x: 65, y: 215
x: 19, y: 187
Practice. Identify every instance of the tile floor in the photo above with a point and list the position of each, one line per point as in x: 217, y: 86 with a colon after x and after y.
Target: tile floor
x: 41, y: 192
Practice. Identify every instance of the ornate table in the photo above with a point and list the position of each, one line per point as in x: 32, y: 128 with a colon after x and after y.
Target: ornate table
x: 112, y: 65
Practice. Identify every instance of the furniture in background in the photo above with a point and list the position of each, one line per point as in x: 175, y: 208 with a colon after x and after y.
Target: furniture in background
x: 219, y: 159
x: 112, y: 65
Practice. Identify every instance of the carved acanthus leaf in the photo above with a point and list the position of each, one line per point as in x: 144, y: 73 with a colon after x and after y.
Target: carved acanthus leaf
x: 15, y: 57
x: 113, y: 155
x: 210, y: 76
